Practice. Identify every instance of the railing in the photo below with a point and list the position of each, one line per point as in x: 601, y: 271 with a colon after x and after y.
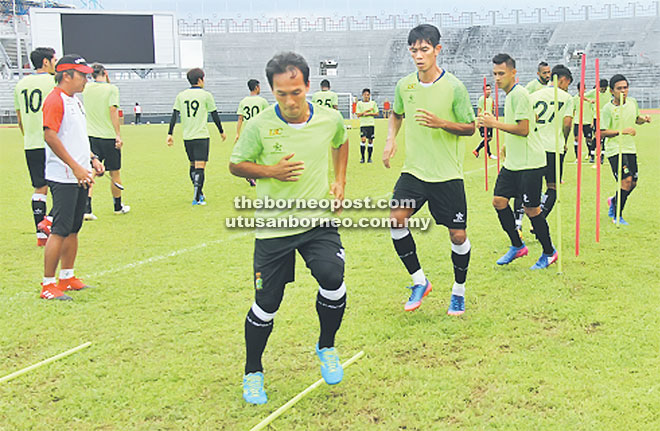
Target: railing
x: 444, y: 19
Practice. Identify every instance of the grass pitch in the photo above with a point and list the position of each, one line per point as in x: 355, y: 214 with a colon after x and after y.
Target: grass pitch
x: 534, y: 350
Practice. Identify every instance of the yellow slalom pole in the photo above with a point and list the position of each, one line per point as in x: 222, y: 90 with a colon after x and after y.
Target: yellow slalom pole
x: 277, y: 413
x: 619, y: 164
x: 44, y: 362
x: 558, y: 131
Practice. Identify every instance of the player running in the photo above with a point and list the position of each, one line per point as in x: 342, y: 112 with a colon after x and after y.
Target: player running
x: 438, y: 111
x: 29, y: 95
x: 543, y: 102
x: 325, y: 96
x: 366, y: 110
x: 522, y: 173
x: 194, y: 106
x: 101, y: 101
x: 485, y: 105
x: 542, y: 79
x: 618, y: 126
x: 286, y: 148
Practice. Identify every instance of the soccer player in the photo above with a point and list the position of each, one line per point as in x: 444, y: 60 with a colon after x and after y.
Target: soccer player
x: 248, y: 108
x: 522, y: 173
x: 29, y: 95
x: 325, y: 96
x: 587, y: 115
x: 485, y: 104
x: 617, y: 125
x: 366, y: 110
x: 286, y: 148
x: 543, y: 102
x: 68, y: 157
x: 194, y: 106
x: 438, y: 112
x: 604, y: 99
x: 542, y: 79
x: 137, y: 109
x: 101, y: 101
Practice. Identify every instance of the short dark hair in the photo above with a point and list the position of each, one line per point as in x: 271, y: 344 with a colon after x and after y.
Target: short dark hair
x: 287, y: 62
x: 60, y: 75
x: 561, y: 70
x: 253, y: 84
x: 366, y: 90
x: 97, y: 69
x: 40, y: 54
x: 505, y: 58
x: 424, y: 33
x: 487, y: 85
x: 603, y: 83
x: 616, y: 78
x: 194, y: 75
x: 542, y: 64
x: 325, y: 83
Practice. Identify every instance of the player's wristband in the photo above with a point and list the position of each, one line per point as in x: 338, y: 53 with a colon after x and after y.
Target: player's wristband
x: 95, y: 157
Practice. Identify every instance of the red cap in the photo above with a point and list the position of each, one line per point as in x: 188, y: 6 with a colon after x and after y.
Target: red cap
x: 73, y: 61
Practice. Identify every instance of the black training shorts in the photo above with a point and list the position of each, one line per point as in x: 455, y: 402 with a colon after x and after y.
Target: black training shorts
x: 489, y: 132
x: 197, y: 149
x: 587, y: 131
x: 628, y: 166
x: 367, y: 132
x: 105, y: 149
x: 446, y: 199
x: 526, y: 183
x: 550, y: 171
x: 69, y: 203
x: 36, y: 161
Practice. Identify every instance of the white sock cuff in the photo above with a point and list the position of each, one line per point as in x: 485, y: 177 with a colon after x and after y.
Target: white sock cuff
x: 39, y: 197
x: 399, y: 232
x: 371, y: 145
x: 66, y: 273
x: 261, y: 314
x: 363, y: 144
x: 462, y: 248
x: 458, y: 289
x: 333, y: 295
x: 49, y: 280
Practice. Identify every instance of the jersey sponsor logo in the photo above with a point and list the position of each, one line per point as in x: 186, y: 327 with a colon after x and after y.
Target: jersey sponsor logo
x: 459, y: 218
x: 258, y: 282
x: 412, y: 86
x: 275, y: 132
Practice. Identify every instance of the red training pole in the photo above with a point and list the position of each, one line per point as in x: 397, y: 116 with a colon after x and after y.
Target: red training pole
x: 579, y: 161
x: 598, y: 150
x: 497, y: 131
x: 485, y: 141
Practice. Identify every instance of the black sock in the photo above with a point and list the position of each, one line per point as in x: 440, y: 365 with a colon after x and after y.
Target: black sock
x: 519, y: 210
x: 362, y: 148
x: 256, y: 336
x: 575, y: 147
x: 202, y: 178
x: 548, y: 202
x: 542, y: 232
x: 481, y: 145
x: 89, y: 205
x: 624, y: 199
x: 117, y: 203
x: 192, y: 174
x: 370, y: 150
x: 461, y: 263
x: 405, y: 248
x: 330, y: 315
x: 198, y: 182
x: 509, y: 225
x: 38, y: 211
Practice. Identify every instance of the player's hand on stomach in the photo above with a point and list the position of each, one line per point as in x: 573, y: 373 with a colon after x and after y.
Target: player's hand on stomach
x: 286, y: 170
x: 428, y: 119
x: 629, y: 131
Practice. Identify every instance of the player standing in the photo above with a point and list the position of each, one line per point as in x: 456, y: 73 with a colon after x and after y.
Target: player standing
x: 29, y: 94
x: 286, y: 148
x: 68, y: 157
x: 618, y: 126
x: 248, y: 108
x: 587, y: 115
x: 542, y: 79
x: 194, y: 106
x: 485, y: 105
x: 543, y: 102
x: 366, y: 110
x: 522, y: 173
x: 325, y: 96
x: 101, y: 101
x: 604, y: 99
x: 137, y: 109
x: 438, y: 111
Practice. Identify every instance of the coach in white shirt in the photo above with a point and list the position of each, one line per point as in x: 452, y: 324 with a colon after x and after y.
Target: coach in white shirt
x: 68, y: 174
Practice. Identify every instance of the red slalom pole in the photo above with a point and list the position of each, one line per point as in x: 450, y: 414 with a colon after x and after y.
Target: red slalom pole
x: 578, y: 184
x: 497, y: 131
x: 485, y: 141
x: 598, y: 150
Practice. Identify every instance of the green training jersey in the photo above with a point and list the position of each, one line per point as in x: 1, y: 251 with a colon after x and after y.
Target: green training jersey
x: 194, y: 104
x: 326, y: 98
x: 543, y: 103
x: 489, y: 104
x: 534, y: 86
x: 251, y: 106
x: 29, y: 96
x: 98, y: 98
x: 370, y: 106
x: 619, y: 118
x: 267, y: 139
x: 603, y: 99
x: 587, y: 111
x: 521, y: 152
x: 433, y: 155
